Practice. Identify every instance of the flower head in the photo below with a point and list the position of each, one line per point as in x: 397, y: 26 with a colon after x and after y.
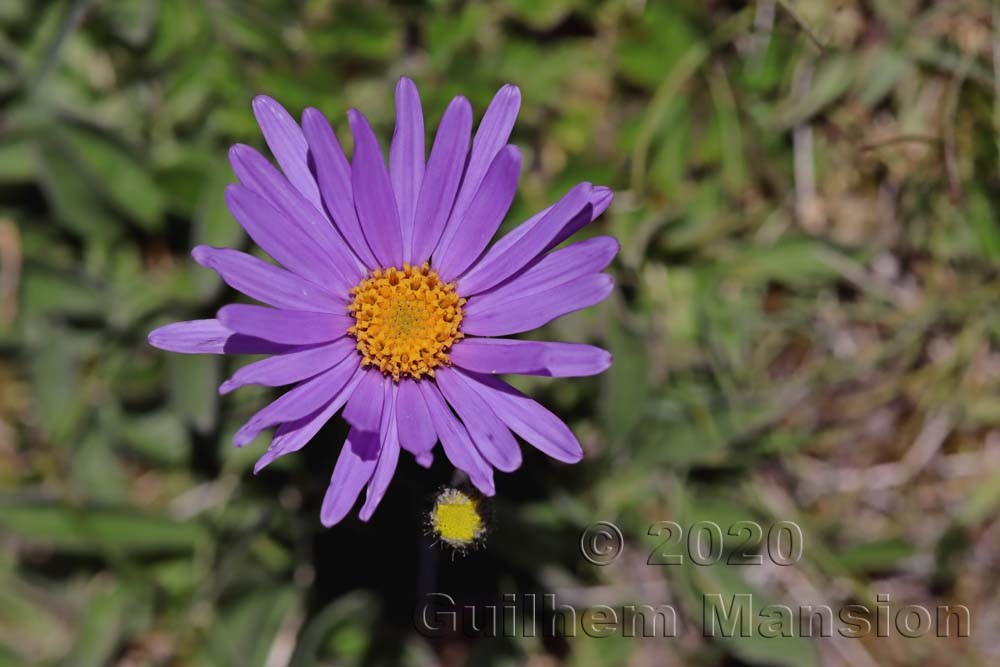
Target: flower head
x: 457, y: 519
x: 389, y: 303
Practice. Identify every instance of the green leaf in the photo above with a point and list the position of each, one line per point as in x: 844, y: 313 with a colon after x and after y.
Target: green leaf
x: 983, y: 220
x: 248, y: 628
x: 540, y: 15
x: 113, y: 610
x: 29, y: 626
x: 791, y: 261
x: 213, y: 223
x: 95, y: 529
x: 158, y: 436
x: 722, y: 583
x: 625, y: 382
x: 880, y: 555
x: 193, y: 382
x: 55, y: 372
x: 832, y: 79
x: 97, y: 472
x: 662, y: 36
x: 75, y: 203
x: 344, y: 623
x: 119, y: 175
x: 17, y: 160
x: 47, y: 291
x: 132, y: 20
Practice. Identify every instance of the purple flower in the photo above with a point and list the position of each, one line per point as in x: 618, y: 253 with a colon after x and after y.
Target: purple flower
x: 390, y: 303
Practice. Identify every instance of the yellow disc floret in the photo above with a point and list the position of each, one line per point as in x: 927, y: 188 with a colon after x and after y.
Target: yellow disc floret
x: 406, y: 320
x: 457, y: 519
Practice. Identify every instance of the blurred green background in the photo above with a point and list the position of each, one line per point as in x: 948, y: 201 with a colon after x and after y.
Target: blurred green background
x: 806, y: 327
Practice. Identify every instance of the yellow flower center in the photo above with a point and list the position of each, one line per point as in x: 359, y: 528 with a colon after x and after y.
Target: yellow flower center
x: 456, y: 519
x: 405, y: 320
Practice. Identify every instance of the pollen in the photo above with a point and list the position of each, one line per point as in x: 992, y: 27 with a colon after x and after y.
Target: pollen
x: 457, y: 519
x: 405, y: 320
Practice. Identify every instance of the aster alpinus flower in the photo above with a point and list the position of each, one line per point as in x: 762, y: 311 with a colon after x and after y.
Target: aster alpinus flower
x: 389, y: 302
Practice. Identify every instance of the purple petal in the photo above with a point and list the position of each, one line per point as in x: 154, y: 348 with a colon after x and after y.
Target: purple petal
x: 528, y: 357
x: 302, y: 401
x: 294, y: 327
x: 455, y: 441
x: 493, y: 440
x: 290, y: 367
x: 255, y: 172
x: 600, y: 199
x: 493, y: 132
x: 284, y: 241
x: 498, y: 265
x: 388, y: 455
x: 294, y: 435
x: 416, y: 431
x: 354, y: 468
x: 284, y: 137
x: 209, y: 337
x: 364, y: 408
x: 441, y: 180
x: 265, y: 282
x: 484, y: 317
x: 373, y: 197
x: 557, y: 268
x: 406, y: 157
x: 470, y: 234
x: 537, y: 425
x: 333, y: 173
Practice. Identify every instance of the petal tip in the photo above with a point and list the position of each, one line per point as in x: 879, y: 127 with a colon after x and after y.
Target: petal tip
x: 240, y: 154
x: 232, y: 190
x: 224, y: 313
x: 601, y: 197
x: 355, y: 117
x: 406, y: 83
x: 512, y: 91
x: 461, y: 103
x: 201, y: 254
x: 242, y: 439
x: 311, y: 114
x: 262, y: 101
x: 262, y: 462
x: 330, y: 516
